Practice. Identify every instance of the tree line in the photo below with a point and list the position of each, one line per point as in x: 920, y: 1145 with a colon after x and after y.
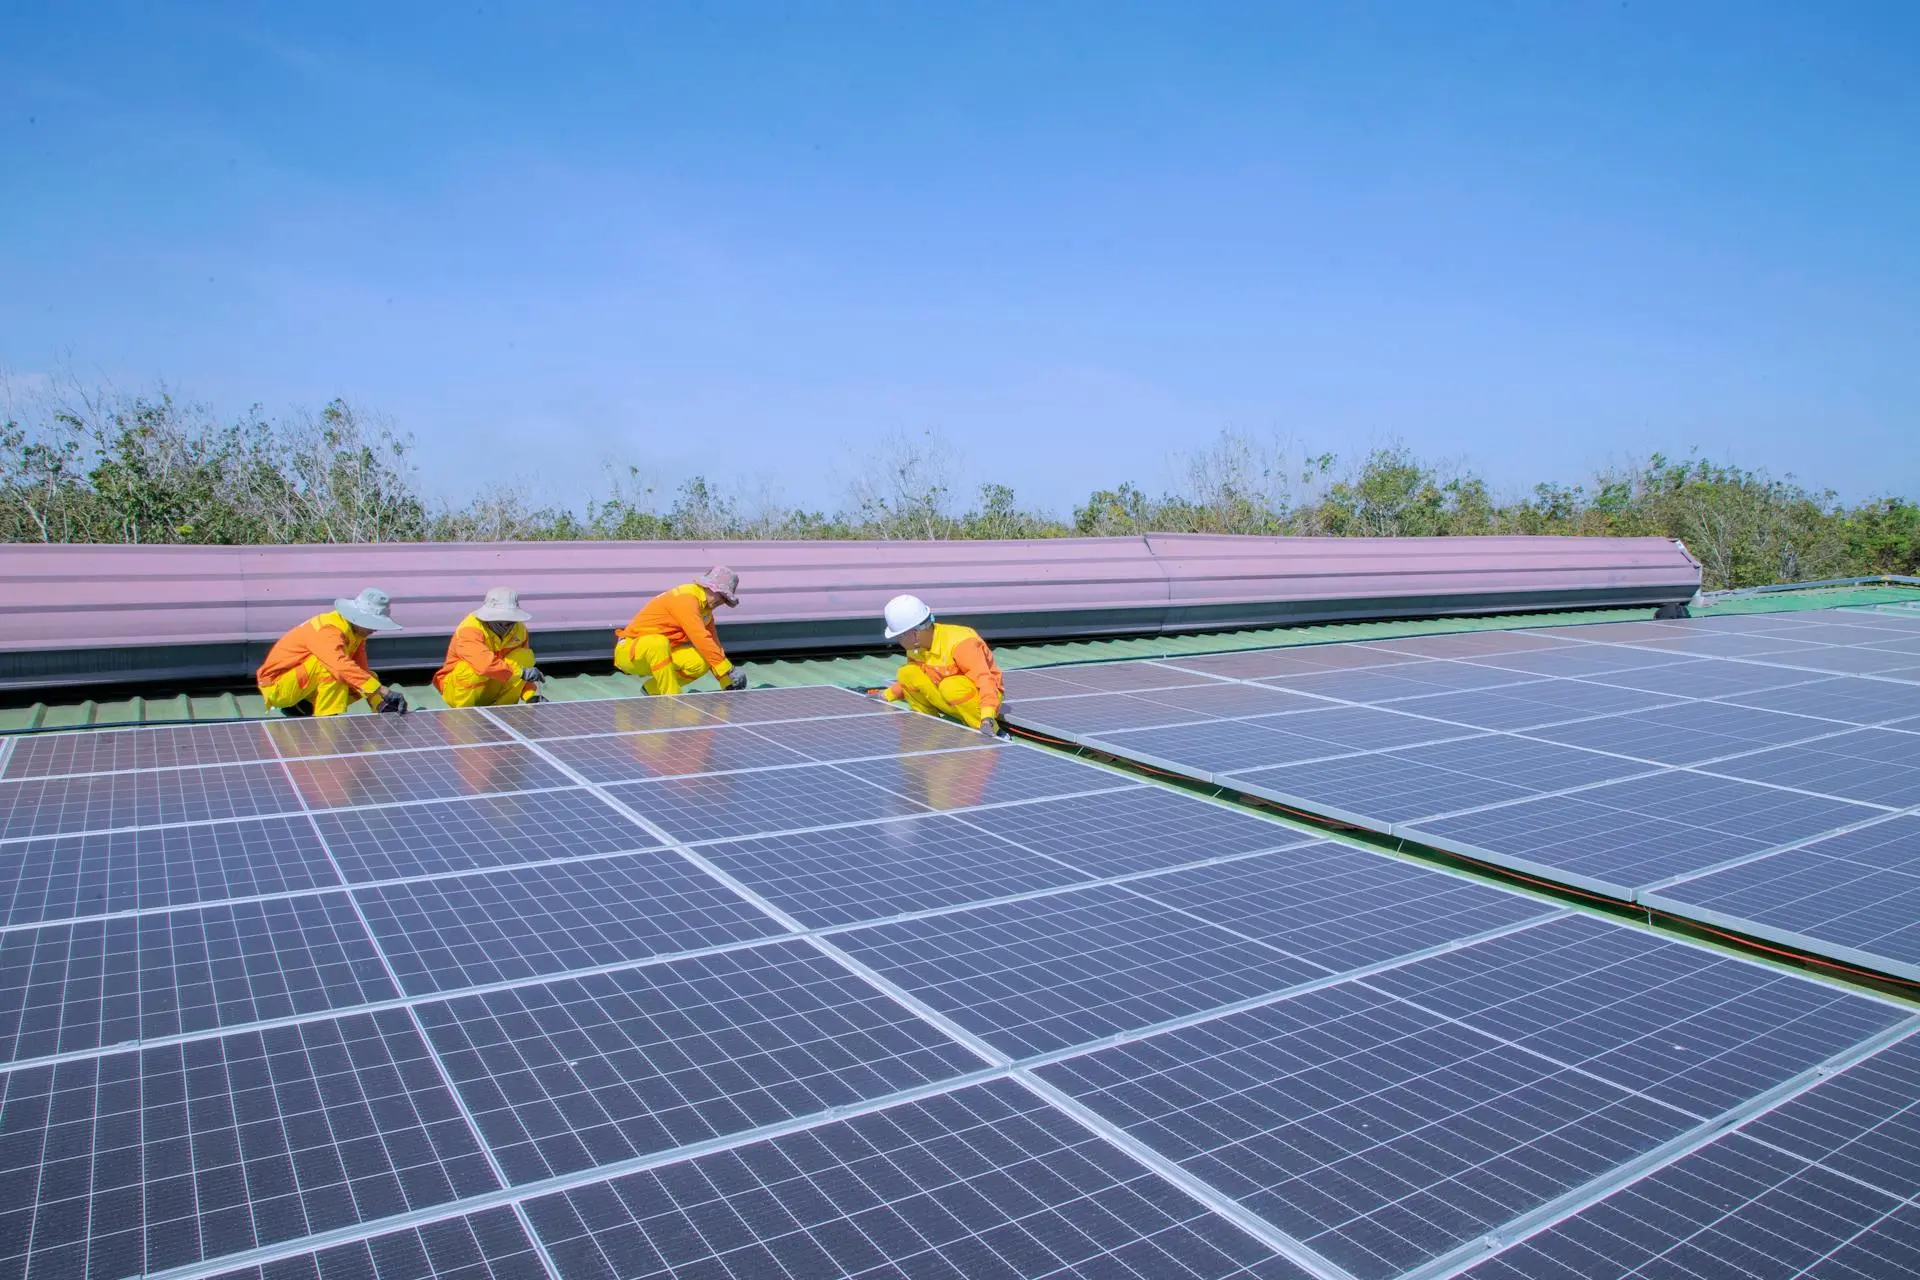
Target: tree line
x: 82, y: 465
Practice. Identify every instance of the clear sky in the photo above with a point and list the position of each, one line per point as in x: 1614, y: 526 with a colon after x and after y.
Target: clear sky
x: 748, y: 240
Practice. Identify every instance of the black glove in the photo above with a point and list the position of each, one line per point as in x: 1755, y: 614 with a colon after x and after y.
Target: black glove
x: 533, y: 675
x: 736, y: 679
x: 392, y: 701
x: 990, y: 725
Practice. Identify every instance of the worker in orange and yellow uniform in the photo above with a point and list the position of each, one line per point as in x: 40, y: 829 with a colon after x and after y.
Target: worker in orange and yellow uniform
x: 320, y: 667
x: 950, y: 670
x: 670, y: 642
x: 489, y: 661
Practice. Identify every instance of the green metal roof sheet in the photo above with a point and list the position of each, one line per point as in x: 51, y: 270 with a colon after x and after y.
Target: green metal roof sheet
x: 877, y: 669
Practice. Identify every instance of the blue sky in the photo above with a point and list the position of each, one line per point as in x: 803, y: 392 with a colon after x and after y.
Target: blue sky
x: 1075, y: 239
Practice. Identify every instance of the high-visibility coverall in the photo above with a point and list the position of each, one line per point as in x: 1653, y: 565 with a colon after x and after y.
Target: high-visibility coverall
x: 954, y: 676
x: 670, y: 642
x: 483, y: 669
x: 321, y: 660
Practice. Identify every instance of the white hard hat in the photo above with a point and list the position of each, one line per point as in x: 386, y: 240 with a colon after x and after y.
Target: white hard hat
x: 904, y: 613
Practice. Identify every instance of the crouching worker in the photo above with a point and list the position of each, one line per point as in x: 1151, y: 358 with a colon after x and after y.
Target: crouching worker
x: 320, y: 667
x: 949, y: 671
x: 489, y: 662
x: 670, y: 642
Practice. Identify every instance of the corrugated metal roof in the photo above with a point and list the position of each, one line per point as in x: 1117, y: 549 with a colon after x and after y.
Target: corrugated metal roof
x: 876, y: 669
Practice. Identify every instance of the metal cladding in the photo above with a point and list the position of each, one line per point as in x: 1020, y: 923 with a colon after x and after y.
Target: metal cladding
x: 92, y: 614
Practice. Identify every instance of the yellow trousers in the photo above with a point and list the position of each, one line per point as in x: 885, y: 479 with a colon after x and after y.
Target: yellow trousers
x: 665, y: 669
x: 465, y: 687
x: 311, y: 680
x: 955, y: 697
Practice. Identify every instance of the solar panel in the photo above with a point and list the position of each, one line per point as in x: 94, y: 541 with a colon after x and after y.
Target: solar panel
x: 1822, y: 1184
x: 1687, y: 733
x: 449, y: 1011
x: 55, y: 754
x: 584, y: 1072
x: 988, y: 1181
x: 1854, y: 896
x: 1875, y: 766
x: 1101, y: 713
x: 478, y: 930
x: 1047, y: 973
x: 1848, y: 698
x: 726, y: 806
x: 1127, y: 677
x: 341, y: 782
x: 68, y: 877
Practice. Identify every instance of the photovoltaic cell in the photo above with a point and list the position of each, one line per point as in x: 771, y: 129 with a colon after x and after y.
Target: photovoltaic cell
x: 1861, y: 662
x: 1709, y: 679
x: 441, y: 935
x: 1035, y: 683
x: 1379, y: 1134
x: 65, y: 877
x: 872, y: 872
x: 140, y: 1162
x: 95, y: 983
x: 1527, y: 706
x: 488, y: 1245
x: 349, y: 735
x: 346, y: 781
x: 584, y: 1072
x: 726, y: 806
x: 1467, y: 644
x: 987, y: 1183
x: 1585, y: 660
x: 1256, y: 664
x: 1721, y: 645
x: 961, y: 779
x: 1140, y: 830
x: 50, y: 806
x: 1411, y: 680
x: 1341, y: 907
x: 93, y: 751
x: 1048, y: 973
x: 1536, y: 766
x: 473, y: 835
x: 1204, y: 750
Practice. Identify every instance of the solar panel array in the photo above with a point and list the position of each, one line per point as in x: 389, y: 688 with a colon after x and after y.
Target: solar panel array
x: 1758, y: 772
x: 789, y: 983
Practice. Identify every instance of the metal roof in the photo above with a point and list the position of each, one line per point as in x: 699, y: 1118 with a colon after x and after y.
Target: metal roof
x: 874, y: 669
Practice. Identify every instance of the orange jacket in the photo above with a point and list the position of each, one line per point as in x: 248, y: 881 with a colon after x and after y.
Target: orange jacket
x: 475, y: 644
x: 329, y: 638
x: 684, y: 615
x: 958, y: 651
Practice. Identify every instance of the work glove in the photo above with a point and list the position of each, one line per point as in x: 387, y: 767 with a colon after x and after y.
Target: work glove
x: 990, y: 726
x: 736, y: 679
x: 533, y: 675
x: 392, y: 701
x: 879, y: 692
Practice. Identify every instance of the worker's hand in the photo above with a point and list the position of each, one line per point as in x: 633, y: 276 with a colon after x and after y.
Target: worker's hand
x: 880, y: 692
x: 533, y: 675
x: 736, y: 679
x: 990, y: 726
x: 392, y: 701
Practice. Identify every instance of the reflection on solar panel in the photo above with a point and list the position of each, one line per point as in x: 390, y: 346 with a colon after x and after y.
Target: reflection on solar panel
x: 801, y: 984
x: 1621, y: 759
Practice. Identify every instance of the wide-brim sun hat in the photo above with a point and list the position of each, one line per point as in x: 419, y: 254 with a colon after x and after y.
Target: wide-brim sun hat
x: 502, y: 605
x: 371, y: 610
x: 722, y: 582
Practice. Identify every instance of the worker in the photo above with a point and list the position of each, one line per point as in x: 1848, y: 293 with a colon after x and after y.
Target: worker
x: 670, y: 642
x: 320, y: 667
x: 949, y: 672
x: 489, y: 662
